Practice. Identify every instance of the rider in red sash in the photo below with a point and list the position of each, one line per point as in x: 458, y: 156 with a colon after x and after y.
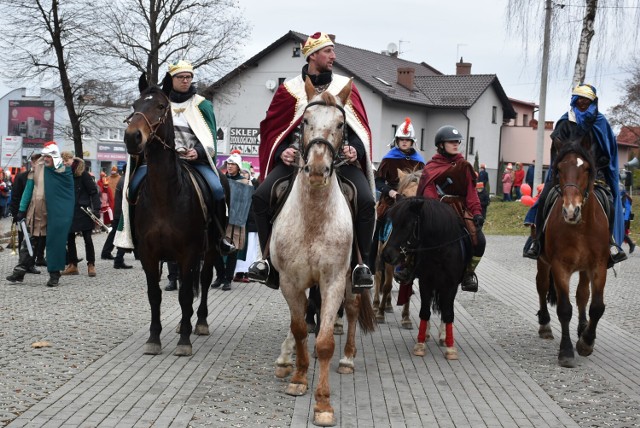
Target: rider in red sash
x: 279, y: 138
x: 450, y: 178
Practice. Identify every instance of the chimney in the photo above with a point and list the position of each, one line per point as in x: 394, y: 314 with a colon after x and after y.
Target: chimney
x: 463, y: 68
x: 406, y: 76
x: 332, y: 37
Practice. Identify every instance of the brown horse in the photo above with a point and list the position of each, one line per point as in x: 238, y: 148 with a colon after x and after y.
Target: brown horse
x: 576, y: 240
x: 169, y: 221
x: 311, y: 244
x: 407, y: 187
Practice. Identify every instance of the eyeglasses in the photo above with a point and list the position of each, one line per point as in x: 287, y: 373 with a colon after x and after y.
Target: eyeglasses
x: 183, y: 77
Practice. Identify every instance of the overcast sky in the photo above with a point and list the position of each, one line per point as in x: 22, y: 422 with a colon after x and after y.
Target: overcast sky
x: 437, y: 32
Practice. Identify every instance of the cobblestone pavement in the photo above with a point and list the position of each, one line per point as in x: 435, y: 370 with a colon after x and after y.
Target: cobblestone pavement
x: 94, y: 374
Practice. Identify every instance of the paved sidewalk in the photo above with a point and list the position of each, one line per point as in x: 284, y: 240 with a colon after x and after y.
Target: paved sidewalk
x: 94, y: 373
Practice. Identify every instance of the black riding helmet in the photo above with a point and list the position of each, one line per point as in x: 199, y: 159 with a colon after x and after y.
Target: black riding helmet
x: 446, y: 133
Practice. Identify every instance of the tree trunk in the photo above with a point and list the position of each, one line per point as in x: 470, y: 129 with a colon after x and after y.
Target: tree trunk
x: 580, y: 71
x: 67, y: 92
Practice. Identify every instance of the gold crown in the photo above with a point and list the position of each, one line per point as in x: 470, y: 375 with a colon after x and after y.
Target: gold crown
x: 585, y: 91
x: 315, y: 42
x: 181, y: 66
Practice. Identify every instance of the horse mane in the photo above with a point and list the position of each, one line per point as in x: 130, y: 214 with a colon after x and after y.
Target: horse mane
x: 577, y: 147
x: 409, y: 178
x: 440, y: 223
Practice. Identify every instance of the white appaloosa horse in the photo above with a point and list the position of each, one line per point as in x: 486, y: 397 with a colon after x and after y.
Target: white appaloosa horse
x: 311, y: 244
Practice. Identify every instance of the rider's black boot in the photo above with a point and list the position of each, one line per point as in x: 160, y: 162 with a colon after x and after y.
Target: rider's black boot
x: 531, y: 248
x: 225, y: 245
x: 616, y: 255
x: 361, y: 278
x: 262, y: 271
x: 470, y: 280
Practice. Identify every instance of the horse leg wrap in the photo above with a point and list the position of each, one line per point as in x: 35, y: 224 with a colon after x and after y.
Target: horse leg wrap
x: 422, y: 331
x: 449, y: 339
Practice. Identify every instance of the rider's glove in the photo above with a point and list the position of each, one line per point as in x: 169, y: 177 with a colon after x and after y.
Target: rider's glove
x: 478, y: 220
x: 21, y: 216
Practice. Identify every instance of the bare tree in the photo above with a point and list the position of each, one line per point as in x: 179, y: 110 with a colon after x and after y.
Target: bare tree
x: 45, y: 41
x: 577, y: 26
x: 627, y: 113
x: 149, y: 34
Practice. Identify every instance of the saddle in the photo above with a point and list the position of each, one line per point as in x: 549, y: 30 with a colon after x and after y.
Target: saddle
x: 282, y: 187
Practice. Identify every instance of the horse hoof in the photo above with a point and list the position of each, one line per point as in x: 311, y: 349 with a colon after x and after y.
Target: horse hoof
x: 324, y: 419
x: 380, y: 319
x: 346, y: 367
x: 545, y: 332
x: 407, y: 325
x: 338, y: 330
x: 152, y: 349
x: 583, y: 349
x: 388, y: 309
x: 296, y: 389
x: 568, y: 362
x: 202, y: 330
x: 311, y: 328
x: 283, y: 371
x: 451, y: 353
x: 419, y: 349
x: 183, y: 351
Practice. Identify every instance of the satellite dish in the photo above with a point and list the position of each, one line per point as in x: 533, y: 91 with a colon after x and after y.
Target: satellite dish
x: 392, y: 48
x: 270, y: 85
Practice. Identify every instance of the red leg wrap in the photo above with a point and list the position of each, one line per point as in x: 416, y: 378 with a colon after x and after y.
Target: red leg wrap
x: 449, y: 339
x: 422, y: 331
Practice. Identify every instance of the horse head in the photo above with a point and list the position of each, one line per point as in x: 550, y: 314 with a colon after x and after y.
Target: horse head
x: 575, y: 175
x: 405, y: 235
x: 323, y: 132
x: 151, y: 119
x: 408, y: 182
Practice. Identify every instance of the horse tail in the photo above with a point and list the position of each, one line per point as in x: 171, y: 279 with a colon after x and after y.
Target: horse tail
x: 366, y: 315
x: 552, y: 297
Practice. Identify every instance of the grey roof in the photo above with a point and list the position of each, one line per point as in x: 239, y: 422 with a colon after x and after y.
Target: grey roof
x: 379, y: 72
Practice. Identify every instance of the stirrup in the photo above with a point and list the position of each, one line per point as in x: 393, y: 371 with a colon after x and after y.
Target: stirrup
x: 361, y: 277
x: 470, y: 282
x: 403, y: 274
x: 259, y: 270
x: 616, y: 255
x: 226, y: 247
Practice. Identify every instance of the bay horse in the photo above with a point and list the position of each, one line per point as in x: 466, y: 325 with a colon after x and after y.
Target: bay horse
x: 435, y: 236
x: 169, y: 222
x: 407, y: 187
x: 311, y: 244
x: 576, y: 239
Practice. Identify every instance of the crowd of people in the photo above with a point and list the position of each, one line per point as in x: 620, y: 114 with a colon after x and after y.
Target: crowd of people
x: 59, y: 199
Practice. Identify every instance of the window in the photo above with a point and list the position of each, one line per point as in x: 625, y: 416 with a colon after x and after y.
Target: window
x: 471, y: 141
x: 394, y: 129
x: 422, y: 140
x: 281, y: 80
x: 296, y: 51
x: 494, y: 114
x: 525, y: 120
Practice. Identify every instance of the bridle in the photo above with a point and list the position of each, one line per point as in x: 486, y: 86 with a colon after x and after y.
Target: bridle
x: 336, y: 155
x: 411, y: 245
x: 585, y: 192
x: 153, y: 127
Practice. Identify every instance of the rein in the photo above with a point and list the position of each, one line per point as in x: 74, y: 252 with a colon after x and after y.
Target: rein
x: 336, y: 155
x: 416, y: 235
x: 153, y: 127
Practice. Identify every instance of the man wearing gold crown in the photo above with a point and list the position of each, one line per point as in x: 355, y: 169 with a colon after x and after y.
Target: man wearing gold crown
x: 583, y: 116
x: 47, y: 207
x: 280, y: 129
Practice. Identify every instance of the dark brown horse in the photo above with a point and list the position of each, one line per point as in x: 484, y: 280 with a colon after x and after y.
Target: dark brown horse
x: 407, y: 187
x: 576, y: 240
x: 169, y: 223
